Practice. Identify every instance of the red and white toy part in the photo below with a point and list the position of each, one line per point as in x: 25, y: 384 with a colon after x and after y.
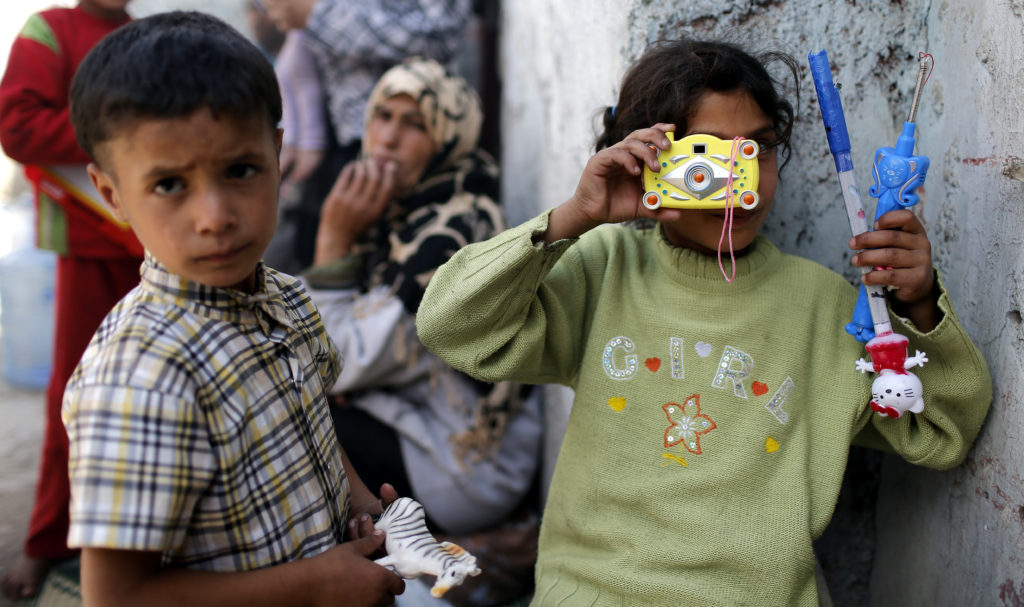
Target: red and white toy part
x: 895, y: 390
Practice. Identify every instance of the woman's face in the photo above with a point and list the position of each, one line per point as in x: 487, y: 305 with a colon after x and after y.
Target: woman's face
x: 397, y: 133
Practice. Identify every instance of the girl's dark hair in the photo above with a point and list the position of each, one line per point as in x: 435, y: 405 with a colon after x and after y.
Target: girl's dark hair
x: 167, y: 66
x: 668, y: 79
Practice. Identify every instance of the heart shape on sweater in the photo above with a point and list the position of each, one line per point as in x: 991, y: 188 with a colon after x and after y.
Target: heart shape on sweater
x: 759, y: 388
x: 653, y: 364
x: 617, y: 403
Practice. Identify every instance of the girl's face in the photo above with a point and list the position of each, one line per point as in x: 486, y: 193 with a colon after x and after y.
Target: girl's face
x: 397, y: 134
x: 726, y: 116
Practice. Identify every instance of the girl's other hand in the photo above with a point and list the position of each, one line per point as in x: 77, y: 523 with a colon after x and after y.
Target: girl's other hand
x: 610, y: 189
x: 901, y: 255
x: 356, y: 201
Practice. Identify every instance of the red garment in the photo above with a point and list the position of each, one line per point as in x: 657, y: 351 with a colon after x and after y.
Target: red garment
x: 35, y: 125
x: 94, y: 271
x: 85, y: 290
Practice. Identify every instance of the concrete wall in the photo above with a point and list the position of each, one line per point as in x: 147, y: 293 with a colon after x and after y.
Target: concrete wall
x: 944, y: 538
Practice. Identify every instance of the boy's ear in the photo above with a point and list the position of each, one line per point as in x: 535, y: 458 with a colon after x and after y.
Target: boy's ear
x: 279, y: 141
x: 107, y: 189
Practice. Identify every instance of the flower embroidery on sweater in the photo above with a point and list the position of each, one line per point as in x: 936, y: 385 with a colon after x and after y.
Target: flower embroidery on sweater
x: 687, y: 424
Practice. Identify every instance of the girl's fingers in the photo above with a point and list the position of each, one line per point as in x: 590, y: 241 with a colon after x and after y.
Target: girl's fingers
x: 663, y: 214
x: 888, y: 257
x: 900, y: 219
x: 642, y: 150
x: 617, y: 156
x: 892, y: 239
x: 654, y: 135
x: 906, y: 284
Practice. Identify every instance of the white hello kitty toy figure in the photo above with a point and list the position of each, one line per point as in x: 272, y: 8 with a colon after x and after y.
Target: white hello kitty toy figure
x: 896, y: 390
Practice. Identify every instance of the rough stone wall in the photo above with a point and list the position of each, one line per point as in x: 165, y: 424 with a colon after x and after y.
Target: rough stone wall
x: 954, y: 537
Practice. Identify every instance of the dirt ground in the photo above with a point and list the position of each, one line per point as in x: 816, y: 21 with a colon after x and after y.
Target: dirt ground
x: 21, y: 429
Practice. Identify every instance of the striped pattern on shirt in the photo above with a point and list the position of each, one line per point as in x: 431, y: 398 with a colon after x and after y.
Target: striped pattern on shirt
x: 199, y: 426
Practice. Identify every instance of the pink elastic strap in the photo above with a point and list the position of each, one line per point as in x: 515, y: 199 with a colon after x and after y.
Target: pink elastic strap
x: 727, y: 224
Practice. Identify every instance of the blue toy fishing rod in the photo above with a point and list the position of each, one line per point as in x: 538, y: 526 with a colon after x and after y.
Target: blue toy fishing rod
x: 839, y: 144
x: 897, y: 174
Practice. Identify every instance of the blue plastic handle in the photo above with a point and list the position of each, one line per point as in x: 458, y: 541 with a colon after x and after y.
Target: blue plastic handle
x: 831, y: 111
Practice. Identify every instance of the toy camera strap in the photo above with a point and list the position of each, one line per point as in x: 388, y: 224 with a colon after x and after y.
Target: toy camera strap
x: 727, y: 223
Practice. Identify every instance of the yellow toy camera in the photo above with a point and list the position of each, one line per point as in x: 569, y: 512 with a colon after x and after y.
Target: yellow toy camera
x: 695, y: 173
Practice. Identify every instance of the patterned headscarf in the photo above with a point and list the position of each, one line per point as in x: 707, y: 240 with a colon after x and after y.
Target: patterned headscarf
x: 453, y: 204
x: 450, y: 107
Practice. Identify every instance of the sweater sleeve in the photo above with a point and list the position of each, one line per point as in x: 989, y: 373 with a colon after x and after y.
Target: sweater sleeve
x: 35, y: 125
x: 957, y: 394
x: 508, y: 308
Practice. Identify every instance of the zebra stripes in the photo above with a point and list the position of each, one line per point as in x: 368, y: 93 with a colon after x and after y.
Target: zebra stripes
x: 413, y: 551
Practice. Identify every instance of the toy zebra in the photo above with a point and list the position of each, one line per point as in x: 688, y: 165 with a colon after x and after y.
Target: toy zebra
x: 413, y: 551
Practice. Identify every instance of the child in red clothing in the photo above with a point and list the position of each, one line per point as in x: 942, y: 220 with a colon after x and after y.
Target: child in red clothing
x: 93, y: 270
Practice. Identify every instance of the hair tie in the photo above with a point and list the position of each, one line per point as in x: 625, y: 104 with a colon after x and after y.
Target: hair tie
x: 613, y: 111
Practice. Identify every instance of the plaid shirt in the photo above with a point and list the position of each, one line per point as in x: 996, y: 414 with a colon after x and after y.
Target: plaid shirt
x: 199, y: 426
x: 354, y: 42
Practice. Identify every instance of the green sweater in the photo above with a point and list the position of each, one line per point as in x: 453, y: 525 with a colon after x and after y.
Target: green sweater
x: 712, y: 421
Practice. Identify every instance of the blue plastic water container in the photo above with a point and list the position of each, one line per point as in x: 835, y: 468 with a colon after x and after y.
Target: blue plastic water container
x: 26, y: 316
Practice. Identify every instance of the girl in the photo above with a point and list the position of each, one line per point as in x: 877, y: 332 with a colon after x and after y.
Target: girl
x: 712, y: 419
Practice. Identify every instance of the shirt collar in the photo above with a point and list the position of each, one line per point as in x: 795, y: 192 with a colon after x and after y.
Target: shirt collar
x: 700, y: 271
x: 220, y: 303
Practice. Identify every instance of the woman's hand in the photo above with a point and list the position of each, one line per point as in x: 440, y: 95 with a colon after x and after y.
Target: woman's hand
x: 901, y: 255
x: 356, y: 201
x: 610, y: 189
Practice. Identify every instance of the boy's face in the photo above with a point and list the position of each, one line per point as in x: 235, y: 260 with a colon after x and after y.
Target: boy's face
x: 199, y: 192
x: 729, y: 115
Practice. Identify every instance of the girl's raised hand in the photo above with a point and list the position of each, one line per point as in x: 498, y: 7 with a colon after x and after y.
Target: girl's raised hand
x: 610, y: 189
x: 901, y: 255
x: 355, y: 202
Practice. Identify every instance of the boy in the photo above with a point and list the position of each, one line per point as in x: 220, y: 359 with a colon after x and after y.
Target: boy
x: 203, y: 463
x: 94, y: 268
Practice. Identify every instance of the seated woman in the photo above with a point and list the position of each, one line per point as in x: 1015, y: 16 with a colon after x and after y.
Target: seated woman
x: 467, y: 450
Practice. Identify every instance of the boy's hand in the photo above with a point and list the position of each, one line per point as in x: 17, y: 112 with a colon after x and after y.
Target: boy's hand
x: 360, y: 523
x: 355, y: 202
x: 899, y: 250
x: 354, y: 578
x: 611, y: 186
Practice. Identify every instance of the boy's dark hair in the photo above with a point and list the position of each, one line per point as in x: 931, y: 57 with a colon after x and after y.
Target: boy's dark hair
x: 668, y: 79
x: 168, y: 66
